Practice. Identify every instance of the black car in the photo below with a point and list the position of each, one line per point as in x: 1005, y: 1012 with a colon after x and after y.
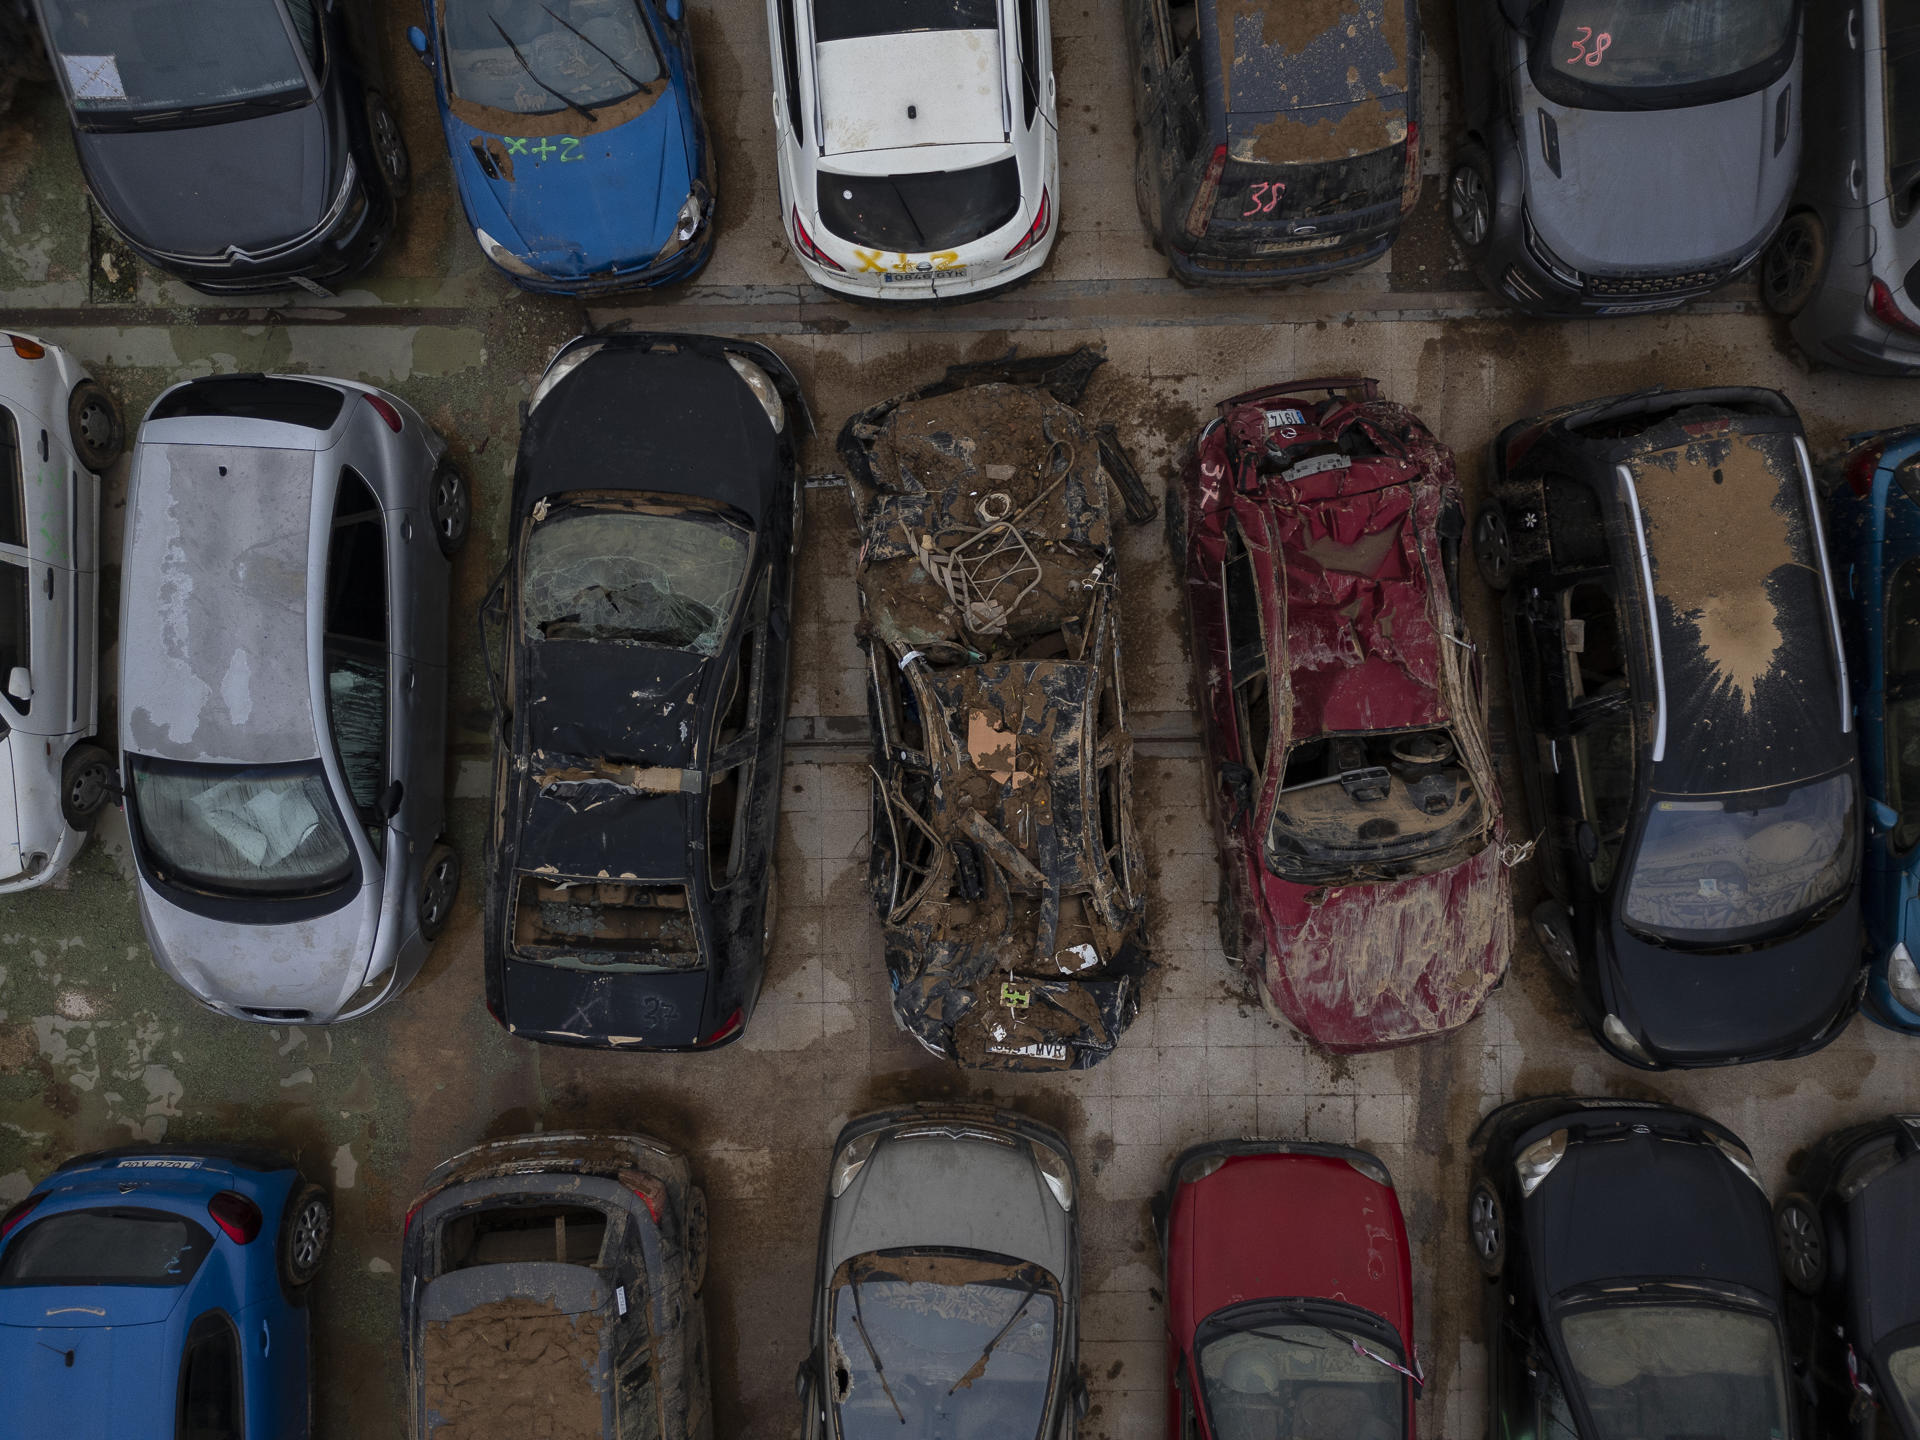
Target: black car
x: 1845, y: 1232
x: 1681, y: 702
x: 239, y: 146
x: 1630, y: 1288
x: 1621, y: 156
x: 1266, y: 155
x: 641, y: 624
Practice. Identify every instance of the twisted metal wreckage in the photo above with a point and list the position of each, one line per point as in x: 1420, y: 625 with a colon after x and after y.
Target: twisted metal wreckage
x: 1005, y: 867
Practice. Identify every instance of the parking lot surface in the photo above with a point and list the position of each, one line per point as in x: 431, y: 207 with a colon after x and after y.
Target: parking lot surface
x: 97, y: 1047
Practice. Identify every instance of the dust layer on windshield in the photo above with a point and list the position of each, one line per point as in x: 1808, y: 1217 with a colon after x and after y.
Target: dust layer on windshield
x: 1297, y: 1380
x: 1678, y: 1370
x: 669, y: 580
x: 574, y: 60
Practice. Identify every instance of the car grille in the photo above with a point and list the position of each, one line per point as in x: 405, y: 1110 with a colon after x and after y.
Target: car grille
x: 1634, y: 286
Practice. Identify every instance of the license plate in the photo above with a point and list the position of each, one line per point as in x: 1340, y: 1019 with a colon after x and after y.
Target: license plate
x: 922, y: 277
x: 1276, y: 419
x: 156, y: 1162
x: 1640, y: 307
x: 1032, y: 1052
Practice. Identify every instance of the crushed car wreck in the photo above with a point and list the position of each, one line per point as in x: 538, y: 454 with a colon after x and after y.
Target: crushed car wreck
x: 1005, y: 867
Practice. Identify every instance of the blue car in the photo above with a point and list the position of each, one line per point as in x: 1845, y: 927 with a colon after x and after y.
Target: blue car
x: 577, y: 140
x: 158, y: 1293
x: 1875, y: 514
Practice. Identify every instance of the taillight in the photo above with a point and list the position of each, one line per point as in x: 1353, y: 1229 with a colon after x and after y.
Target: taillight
x: 1410, y: 177
x: 651, y: 1192
x: 413, y: 1213
x: 386, y: 412
x: 1887, y: 310
x: 27, y: 349
x: 1860, y: 466
x: 1202, y: 208
x: 234, y: 1213
x: 10, y: 1221
x: 732, y: 1023
x: 1036, y: 231
x: 804, y: 243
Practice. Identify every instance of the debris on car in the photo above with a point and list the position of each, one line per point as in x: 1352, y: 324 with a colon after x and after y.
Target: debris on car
x: 1005, y: 866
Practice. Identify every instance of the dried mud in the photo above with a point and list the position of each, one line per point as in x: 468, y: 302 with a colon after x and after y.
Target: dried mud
x: 513, y: 1370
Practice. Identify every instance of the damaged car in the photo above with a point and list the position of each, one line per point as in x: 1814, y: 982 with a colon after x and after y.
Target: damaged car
x: 550, y: 1285
x: 1352, y: 789
x: 636, y: 651
x: 1683, y: 724
x: 1004, y: 863
x: 947, y: 1293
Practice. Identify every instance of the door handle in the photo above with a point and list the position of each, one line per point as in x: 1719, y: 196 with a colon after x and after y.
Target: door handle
x: 49, y: 582
x: 266, y: 1339
x: 1853, y: 28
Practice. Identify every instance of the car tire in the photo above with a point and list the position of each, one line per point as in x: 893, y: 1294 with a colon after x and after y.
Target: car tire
x: 1800, y: 1240
x: 1487, y: 1228
x: 449, y: 506
x: 1553, y: 928
x: 438, y: 887
x: 1794, y: 264
x: 304, y: 1235
x: 94, y: 425
x: 696, y: 1239
x: 1470, y: 201
x: 86, y: 781
x: 1493, y: 545
x: 389, y: 145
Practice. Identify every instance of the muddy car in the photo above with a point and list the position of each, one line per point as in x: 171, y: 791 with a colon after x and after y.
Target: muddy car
x: 636, y: 648
x: 550, y: 1285
x: 1004, y: 863
x: 1352, y: 790
x: 1680, y: 702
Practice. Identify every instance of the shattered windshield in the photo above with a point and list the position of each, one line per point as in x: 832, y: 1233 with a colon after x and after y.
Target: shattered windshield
x: 1720, y: 47
x: 1726, y: 869
x: 622, y: 575
x: 949, y: 1346
x: 1280, y: 1379
x: 1666, y: 1369
x: 260, y: 830
x: 549, y: 55
x: 134, y: 57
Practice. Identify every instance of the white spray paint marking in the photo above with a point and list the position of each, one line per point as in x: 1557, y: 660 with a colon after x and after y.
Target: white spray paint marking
x: 14, y: 1187
x: 377, y: 1266
x: 345, y: 1168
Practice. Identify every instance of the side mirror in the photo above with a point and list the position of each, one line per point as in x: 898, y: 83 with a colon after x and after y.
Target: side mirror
x: 676, y: 9
x: 20, y: 683
x: 417, y: 38
x: 388, y: 805
x: 1586, y: 841
x: 1082, y: 1401
x: 803, y: 1380
x: 1884, y: 815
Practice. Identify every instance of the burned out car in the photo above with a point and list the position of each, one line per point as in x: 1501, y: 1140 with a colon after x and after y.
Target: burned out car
x: 550, y: 1285
x: 1684, y: 729
x: 641, y: 624
x: 1353, y: 792
x: 1005, y: 867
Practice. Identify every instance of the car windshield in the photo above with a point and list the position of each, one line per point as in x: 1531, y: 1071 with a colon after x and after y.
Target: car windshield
x: 1678, y: 1369
x: 1903, y: 1371
x: 852, y: 19
x: 116, y: 1246
x: 535, y: 57
x: 137, y: 58
x: 945, y: 1345
x: 920, y: 213
x: 623, y: 575
x: 1665, y: 46
x: 255, y: 830
x: 1292, y: 1379
x: 1726, y: 869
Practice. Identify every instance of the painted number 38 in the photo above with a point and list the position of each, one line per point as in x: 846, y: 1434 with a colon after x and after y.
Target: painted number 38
x: 1263, y: 197
x: 1581, y: 54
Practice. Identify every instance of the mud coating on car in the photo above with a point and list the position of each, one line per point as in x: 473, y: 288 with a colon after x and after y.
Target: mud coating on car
x: 496, y: 1373
x: 1275, y: 57
x: 1005, y: 867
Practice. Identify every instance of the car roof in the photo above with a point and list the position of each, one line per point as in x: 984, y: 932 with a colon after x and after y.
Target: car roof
x: 1343, y: 62
x: 214, y: 649
x: 953, y: 79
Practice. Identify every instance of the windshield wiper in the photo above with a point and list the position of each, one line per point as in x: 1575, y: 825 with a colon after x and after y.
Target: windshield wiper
x: 609, y: 59
x: 907, y: 210
x: 879, y: 1370
x: 979, y: 1367
x: 571, y: 103
x: 1353, y: 1343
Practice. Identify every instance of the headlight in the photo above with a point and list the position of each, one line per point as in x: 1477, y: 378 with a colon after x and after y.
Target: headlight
x: 1622, y: 1039
x: 1536, y: 1162
x: 695, y: 211
x: 847, y: 1163
x: 1053, y: 1170
x: 763, y: 390
x: 565, y: 365
x: 1903, y: 978
x: 1742, y: 1161
x: 349, y: 202
x: 1198, y: 1168
x: 503, y: 257
x: 1371, y: 1168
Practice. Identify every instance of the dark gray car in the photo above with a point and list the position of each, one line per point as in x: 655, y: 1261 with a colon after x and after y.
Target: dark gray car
x: 946, y: 1301
x: 1623, y: 156
x: 1846, y: 263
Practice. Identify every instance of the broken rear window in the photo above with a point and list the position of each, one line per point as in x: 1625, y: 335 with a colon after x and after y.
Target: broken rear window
x: 524, y: 1234
x: 627, y: 576
x: 604, y: 925
x: 918, y: 213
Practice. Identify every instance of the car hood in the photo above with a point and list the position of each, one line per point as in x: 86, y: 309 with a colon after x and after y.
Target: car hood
x: 250, y: 184
x: 582, y: 204
x: 1667, y: 190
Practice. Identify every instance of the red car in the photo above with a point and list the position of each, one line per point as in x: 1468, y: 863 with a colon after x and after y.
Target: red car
x: 1351, y: 784
x: 1289, y: 1296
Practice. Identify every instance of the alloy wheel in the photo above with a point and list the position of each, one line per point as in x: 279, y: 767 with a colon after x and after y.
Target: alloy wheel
x: 1469, y: 206
x: 1802, y: 1246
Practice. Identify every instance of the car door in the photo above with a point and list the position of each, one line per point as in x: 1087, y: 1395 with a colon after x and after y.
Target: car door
x: 736, y: 742
x: 37, y: 578
x: 1249, y: 713
x: 273, y: 1342
x: 212, y: 1399
x: 417, y: 587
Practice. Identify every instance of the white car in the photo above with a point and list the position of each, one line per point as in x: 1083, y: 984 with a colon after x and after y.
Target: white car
x: 919, y: 158
x: 58, y: 429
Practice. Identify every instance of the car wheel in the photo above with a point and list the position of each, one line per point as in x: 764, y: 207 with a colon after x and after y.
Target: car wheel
x: 1794, y: 263
x: 1554, y: 929
x: 95, y: 426
x: 1470, y: 201
x: 437, y: 890
x: 304, y: 1237
x: 86, y: 780
x: 1492, y: 545
x: 1487, y: 1229
x: 696, y: 1239
x: 389, y: 146
x: 449, y: 506
x: 1801, y: 1241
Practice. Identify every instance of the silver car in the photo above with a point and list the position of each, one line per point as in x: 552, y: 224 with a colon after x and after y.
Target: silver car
x: 1846, y: 264
x: 283, y: 691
